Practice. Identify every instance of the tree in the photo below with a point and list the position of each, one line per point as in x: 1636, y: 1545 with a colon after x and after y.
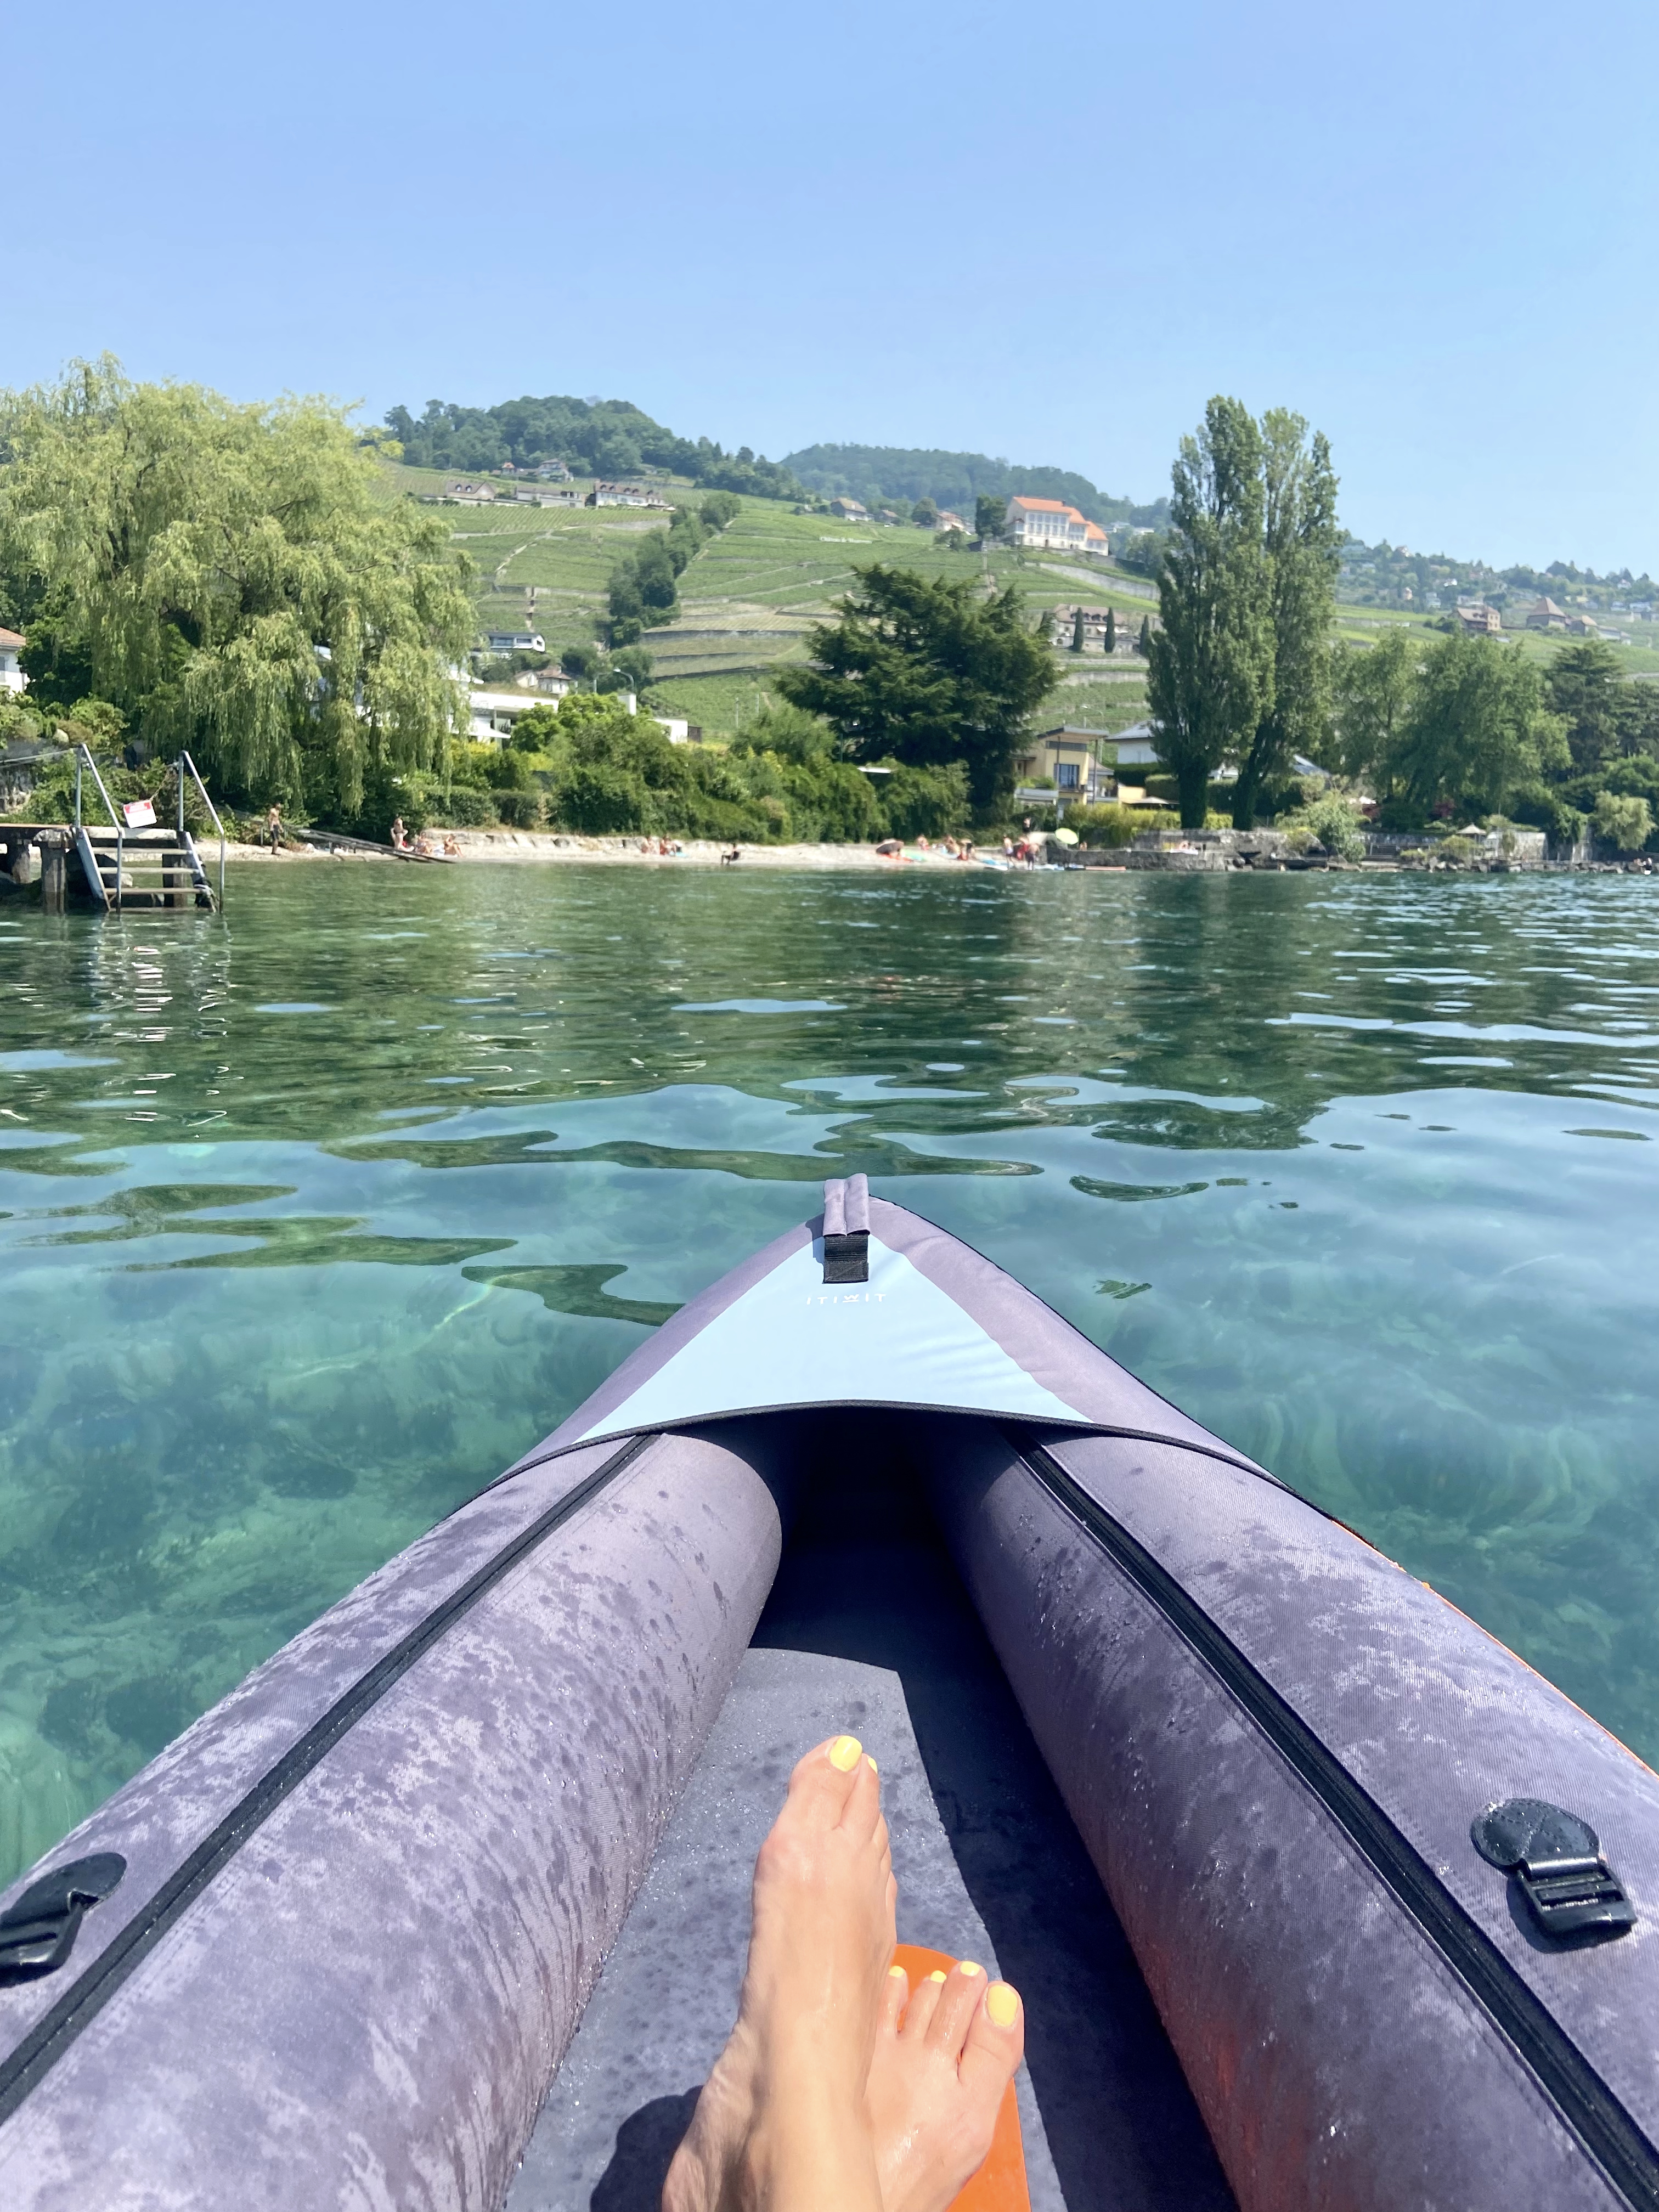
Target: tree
x: 1477, y: 728
x: 1625, y: 824
x: 1302, y: 539
x: 1585, y: 687
x: 1077, y: 631
x: 1144, y: 642
x: 634, y: 665
x: 925, y: 513
x: 989, y: 515
x: 232, y: 579
x: 1109, y: 643
x: 926, y: 672
x: 1211, y: 673
x: 1374, y: 688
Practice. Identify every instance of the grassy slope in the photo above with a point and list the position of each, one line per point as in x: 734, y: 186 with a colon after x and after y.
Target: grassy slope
x: 748, y: 597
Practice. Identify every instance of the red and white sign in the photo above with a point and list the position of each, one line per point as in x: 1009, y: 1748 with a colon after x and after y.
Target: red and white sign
x: 140, y: 813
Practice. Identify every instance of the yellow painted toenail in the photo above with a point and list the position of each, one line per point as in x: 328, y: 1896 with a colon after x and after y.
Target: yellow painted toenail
x: 936, y: 1976
x: 844, y: 1753
x: 969, y: 1967
x: 1003, y: 2005
x: 903, y: 1976
x: 871, y: 1763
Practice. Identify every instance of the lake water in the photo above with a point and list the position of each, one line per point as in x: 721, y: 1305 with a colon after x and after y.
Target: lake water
x: 315, y: 1217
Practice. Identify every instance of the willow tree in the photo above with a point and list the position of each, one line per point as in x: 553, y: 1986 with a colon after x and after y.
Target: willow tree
x: 1211, y: 680
x: 232, y: 578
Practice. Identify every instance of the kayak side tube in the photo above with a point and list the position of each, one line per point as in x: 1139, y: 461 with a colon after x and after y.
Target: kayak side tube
x: 415, y: 1914
x: 1272, y: 1741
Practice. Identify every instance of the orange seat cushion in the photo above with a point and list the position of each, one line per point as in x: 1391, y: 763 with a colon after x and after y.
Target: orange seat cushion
x: 1000, y: 2184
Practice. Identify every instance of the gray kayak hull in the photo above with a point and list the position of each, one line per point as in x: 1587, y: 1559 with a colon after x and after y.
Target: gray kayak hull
x: 368, y: 1897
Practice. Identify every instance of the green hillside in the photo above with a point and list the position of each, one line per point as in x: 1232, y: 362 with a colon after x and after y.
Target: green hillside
x: 749, y: 596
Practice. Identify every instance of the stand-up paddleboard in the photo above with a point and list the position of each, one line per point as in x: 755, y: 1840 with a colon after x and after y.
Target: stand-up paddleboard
x: 1317, y: 1896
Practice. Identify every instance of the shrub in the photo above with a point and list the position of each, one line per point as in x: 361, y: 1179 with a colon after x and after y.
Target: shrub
x: 923, y: 802
x: 465, y: 808
x: 473, y: 765
x: 829, y: 802
x: 510, y: 771
x: 1113, y: 825
x: 519, y: 809
x: 789, y: 732
x: 1330, y: 822
x: 602, y: 800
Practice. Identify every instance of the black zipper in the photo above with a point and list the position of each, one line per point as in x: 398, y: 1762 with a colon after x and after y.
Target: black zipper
x: 1587, y: 2107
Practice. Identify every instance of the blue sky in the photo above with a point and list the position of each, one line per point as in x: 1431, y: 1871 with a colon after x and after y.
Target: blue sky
x: 1047, y: 233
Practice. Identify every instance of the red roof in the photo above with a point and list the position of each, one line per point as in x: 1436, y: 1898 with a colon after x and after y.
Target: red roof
x: 10, y: 642
x: 1046, y: 506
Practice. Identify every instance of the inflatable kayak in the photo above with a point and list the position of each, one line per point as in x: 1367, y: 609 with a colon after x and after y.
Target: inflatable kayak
x: 1316, y: 1895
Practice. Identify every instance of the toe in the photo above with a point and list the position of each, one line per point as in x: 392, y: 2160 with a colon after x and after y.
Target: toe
x: 924, y: 2003
x: 894, y: 1996
x: 829, y: 1777
x: 861, y: 1815
x: 959, y: 1999
x: 995, y: 2043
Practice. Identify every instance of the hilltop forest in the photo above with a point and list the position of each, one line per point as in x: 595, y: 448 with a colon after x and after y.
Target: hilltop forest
x: 593, y: 437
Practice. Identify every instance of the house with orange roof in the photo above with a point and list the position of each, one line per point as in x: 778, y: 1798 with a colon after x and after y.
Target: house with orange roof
x: 12, y: 677
x: 1051, y: 526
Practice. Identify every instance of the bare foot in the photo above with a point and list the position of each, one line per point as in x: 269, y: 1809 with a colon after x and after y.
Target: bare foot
x: 944, y: 2054
x: 782, y: 2124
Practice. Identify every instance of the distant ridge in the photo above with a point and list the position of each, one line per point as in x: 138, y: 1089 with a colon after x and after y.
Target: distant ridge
x: 904, y: 474
x: 596, y: 437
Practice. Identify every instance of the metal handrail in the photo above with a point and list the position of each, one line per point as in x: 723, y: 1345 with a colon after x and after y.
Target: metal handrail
x: 185, y: 761
x: 83, y: 759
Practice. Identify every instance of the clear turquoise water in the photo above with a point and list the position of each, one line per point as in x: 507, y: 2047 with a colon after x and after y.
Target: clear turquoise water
x: 312, y: 1219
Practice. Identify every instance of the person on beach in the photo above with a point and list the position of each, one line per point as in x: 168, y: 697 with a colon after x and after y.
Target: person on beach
x: 729, y: 860
x: 274, y: 828
x: 842, y: 2089
x: 399, y: 835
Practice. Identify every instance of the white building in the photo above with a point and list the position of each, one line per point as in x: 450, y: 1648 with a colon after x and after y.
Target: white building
x: 624, y: 494
x: 1052, y: 526
x: 514, y: 640
x: 12, y: 677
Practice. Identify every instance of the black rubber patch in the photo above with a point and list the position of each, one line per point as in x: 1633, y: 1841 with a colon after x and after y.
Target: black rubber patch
x: 56, y: 2031
x: 1586, y: 2106
x: 847, y: 1258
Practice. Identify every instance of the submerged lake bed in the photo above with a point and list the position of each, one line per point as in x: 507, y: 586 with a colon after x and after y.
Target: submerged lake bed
x: 316, y: 1215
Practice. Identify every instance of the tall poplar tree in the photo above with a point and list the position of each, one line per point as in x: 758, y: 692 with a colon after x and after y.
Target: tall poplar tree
x: 1109, y: 643
x: 1211, y: 681
x: 1301, y: 540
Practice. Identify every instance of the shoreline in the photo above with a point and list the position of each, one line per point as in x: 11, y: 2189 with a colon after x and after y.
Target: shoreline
x: 521, y: 847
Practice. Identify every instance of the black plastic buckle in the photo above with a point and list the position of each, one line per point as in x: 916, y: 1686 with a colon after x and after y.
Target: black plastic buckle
x: 1558, y: 1864
x: 38, y: 1932
x: 847, y: 1257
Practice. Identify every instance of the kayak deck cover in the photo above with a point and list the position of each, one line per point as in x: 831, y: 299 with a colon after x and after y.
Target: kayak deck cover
x: 446, y: 1904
